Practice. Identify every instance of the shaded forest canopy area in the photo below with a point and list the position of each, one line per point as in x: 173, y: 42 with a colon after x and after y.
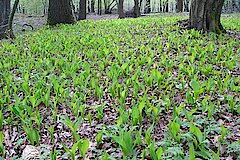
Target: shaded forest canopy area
x: 131, y: 80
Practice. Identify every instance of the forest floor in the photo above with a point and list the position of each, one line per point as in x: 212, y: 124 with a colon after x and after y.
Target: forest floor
x: 140, y: 88
x: 39, y: 21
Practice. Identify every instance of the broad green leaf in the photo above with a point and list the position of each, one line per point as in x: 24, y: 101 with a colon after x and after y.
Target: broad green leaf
x: 197, y: 132
x: 83, y: 147
x: 159, y: 153
x: 192, y: 152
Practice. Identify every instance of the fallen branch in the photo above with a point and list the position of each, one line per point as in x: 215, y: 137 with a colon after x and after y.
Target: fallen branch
x: 27, y: 25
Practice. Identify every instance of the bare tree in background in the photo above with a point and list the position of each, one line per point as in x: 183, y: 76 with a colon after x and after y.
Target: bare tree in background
x: 82, y: 10
x: 120, y: 9
x: 179, y: 6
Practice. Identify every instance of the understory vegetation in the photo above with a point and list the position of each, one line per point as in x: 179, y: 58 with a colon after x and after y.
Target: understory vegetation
x: 121, y: 89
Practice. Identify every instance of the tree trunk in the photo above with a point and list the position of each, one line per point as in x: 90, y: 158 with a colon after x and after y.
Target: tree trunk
x: 4, y: 17
x: 82, y: 10
x: 59, y: 11
x: 105, y: 4
x: 92, y: 6
x: 88, y: 6
x: 166, y: 6
x: 109, y: 7
x: 160, y: 7
x: 238, y: 6
x: 120, y: 9
x: 10, y: 21
x: 136, y: 9
x: 205, y: 15
x: 147, y: 8
x: 179, y: 6
x: 100, y: 7
x: 23, y: 10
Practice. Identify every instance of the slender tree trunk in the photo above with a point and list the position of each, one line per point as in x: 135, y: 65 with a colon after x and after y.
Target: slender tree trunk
x: 179, y: 6
x: 186, y: 6
x: 109, y: 7
x: 60, y: 11
x: 239, y: 6
x: 4, y: 17
x: 147, y: 8
x: 10, y: 22
x: 82, y: 10
x: 92, y: 6
x: 166, y: 6
x: 100, y: 7
x: 205, y: 15
x: 73, y: 9
x: 44, y: 3
x: 153, y: 8
x: 120, y: 9
x: 112, y: 7
x: 105, y: 4
x: 23, y: 10
x: 160, y: 8
x: 88, y: 6
x: 136, y: 9
x: 6, y: 20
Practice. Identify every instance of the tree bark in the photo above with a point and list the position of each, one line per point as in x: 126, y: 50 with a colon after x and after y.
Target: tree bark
x: 179, y: 6
x: 120, y: 9
x: 60, y: 11
x: 82, y: 10
x: 4, y: 17
x: 136, y: 9
x: 205, y: 15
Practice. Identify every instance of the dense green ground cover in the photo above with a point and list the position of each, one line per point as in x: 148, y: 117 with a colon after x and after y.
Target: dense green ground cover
x: 122, y: 88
